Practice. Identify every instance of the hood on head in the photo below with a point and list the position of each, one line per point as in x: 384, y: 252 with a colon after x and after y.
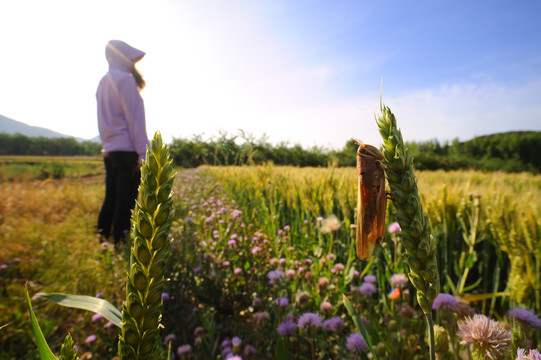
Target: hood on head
x: 121, y: 54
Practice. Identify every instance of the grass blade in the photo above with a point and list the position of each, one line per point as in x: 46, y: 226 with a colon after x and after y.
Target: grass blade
x: 45, y: 352
x: 90, y: 303
x: 359, y: 323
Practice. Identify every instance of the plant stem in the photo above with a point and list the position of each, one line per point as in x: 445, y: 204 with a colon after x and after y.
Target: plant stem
x: 431, y: 342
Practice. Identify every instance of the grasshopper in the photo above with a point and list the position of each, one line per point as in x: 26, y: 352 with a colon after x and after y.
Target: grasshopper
x: 372, y: 199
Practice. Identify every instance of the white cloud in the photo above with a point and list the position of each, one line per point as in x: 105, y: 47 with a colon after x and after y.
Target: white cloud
x: 467, y: 110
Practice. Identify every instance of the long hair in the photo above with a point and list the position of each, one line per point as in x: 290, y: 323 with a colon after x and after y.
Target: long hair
x: 138, y: 78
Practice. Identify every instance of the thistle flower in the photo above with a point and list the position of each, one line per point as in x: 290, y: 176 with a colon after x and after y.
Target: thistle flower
x: 420, y: 249
x: 325, y: 306
x: 333, y: 324
x: 370, y: 278
x: 487, y: 336
x: 367, y: 288
x: 236, y: 341
x: 309, y: 320
x: 184, y: 350
x: 250, y: 350
x: 356, y: 344
x: 151, y: 219
x: 275, y: 275
x: 283, y: 301
x: 525, y: 316
x: 261, y: 316
x: 444, y: 301
x: 286, y: 328
x: 394, y: 228
x: 399, y: 280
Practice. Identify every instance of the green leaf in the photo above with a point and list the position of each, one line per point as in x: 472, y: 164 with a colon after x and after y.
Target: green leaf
x: 90, y: 303
x: 473, y: 286
x: 470, y: 261
x: 45, y: 352
x: 359, y: 323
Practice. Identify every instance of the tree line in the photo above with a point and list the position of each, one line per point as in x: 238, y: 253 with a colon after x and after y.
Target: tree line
x: 24, y: 145
x: 510, y: 152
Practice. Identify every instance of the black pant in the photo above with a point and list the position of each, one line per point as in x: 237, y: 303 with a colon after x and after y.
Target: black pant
x: 122, y: 178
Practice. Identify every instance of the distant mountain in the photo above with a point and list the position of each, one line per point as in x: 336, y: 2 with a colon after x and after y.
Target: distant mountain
x: 12, y: 127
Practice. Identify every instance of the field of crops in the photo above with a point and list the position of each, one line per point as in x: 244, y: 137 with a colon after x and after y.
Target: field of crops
x: 262, y: 256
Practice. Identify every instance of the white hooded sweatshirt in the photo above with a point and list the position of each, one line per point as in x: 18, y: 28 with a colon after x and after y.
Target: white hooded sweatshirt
x: 121, y: 112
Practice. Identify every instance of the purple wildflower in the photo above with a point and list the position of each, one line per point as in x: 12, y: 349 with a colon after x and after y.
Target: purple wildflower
x: 234, y: 236
x: 237, y: 271
x: 286, y: 328
x: 250, y: 350
x: 370, y: 279
x: 255, y: 250
x: 333, y: 323
x: 226, y: 343
x: 356, y: 344
x: 165, y: 296
x: 533, y: 355
x: 367, y: 288
x: 275, y: 275
x: 184, y: 350
x: 97, y: 317
x: 399, y: 280
x: 231, y: 243
x: 394, y: 228
x: 445, y: 301
x: 525, y: 316
x: 169, y: 338
x: 309, y: 320
x: 236, y: 341
x: 282, y: 261
x: 236, y: 213
x: 233, y: 357
x: 283, y: 301
x: 90, y: 339
x: 261, y: 316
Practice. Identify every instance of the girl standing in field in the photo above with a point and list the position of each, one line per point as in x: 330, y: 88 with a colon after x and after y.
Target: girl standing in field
x: 122, y: 127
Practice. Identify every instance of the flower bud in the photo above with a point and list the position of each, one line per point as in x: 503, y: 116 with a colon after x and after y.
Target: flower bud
x: 441, y: 340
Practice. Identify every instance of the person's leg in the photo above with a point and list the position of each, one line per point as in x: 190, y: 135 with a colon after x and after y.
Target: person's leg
x: 127, y: 185
x: 105, y: 217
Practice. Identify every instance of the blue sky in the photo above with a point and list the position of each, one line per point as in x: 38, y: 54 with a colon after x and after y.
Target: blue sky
x: 306, y: 72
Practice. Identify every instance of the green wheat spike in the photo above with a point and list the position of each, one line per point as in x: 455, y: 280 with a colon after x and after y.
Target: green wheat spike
x: 151, y: 222
x: 68, y: 350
